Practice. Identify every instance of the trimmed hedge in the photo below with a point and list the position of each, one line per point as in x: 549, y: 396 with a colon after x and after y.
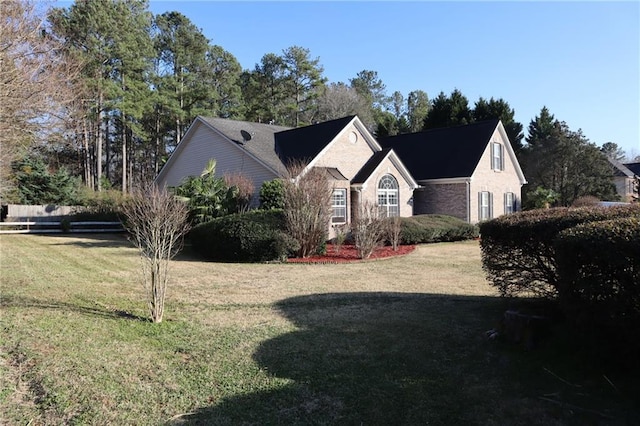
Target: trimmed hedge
x: 255, y: 236
x: 435, y: 228
x: 599, y: 268
x: 518, y: 252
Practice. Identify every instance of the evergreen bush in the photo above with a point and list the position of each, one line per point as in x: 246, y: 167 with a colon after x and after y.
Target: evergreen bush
x: 255, y: 236
x: 435, y: 228
x: 518, y: 252
x: 598, y: 267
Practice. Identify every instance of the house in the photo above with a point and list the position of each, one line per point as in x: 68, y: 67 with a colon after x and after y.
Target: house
x: 460, y: 171
x: 359, y: 169
x: 470, y: 172
x: 624, y: 176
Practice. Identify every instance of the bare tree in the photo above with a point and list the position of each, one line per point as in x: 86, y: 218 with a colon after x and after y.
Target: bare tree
x: 157, y: 222
x: 339, y: 100
x: 37, y: 82
x: 368, y: 229
x: 393, y: 230
x: 243, y: 191
x: 307, y: 207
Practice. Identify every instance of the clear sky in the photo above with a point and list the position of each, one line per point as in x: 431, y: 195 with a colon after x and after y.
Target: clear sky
x: 580, y: 59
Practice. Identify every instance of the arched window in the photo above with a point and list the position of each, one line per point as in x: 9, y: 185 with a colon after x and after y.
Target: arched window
x: 388, y: 196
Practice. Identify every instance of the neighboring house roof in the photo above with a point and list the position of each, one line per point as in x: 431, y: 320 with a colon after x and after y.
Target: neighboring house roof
x: 262, y: 142
x: 633, y: 167
x: 450, y: 152
x: 305, y: 143
x: 619, y: 169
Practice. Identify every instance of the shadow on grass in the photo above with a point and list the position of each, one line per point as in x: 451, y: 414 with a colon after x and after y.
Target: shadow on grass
x: 91, y: 240
x: 120, y: 240
x: 386, y: 358
x: 97, y: 310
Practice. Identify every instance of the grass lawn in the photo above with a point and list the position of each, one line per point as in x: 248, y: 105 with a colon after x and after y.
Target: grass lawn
x: 396, y: 341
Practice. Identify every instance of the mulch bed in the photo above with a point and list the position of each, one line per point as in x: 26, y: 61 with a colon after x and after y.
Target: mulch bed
x: 348, y: 254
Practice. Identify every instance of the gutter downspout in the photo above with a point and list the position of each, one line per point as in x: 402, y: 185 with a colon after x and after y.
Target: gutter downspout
x: 468, y: 201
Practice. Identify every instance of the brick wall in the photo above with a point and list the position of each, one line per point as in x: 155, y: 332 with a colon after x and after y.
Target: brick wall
x: 449, y: 199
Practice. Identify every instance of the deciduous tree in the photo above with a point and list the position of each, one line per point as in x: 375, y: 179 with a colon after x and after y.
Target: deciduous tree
x: 339, y: 100
x: 38, y: 84
x: 157, y: 222
x: 417, y: 109
x: 307, y: 207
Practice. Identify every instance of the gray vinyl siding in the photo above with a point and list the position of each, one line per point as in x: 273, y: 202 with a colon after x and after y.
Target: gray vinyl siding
x: 200, y: 146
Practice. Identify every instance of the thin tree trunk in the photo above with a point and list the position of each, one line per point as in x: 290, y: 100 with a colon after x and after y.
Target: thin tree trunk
x: 99, y: 137
x: 156, y: 158
x: 124, y: 143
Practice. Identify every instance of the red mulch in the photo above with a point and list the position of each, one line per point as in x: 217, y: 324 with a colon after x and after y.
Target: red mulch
x: 349, y: 254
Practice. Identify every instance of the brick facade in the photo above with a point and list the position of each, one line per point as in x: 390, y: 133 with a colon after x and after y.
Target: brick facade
x: 449, y: 199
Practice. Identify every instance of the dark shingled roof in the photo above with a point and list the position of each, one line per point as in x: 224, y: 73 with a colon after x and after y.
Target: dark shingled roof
x: 370, y: 166
x: 305, y: 143
x: 333, y: 173
x: 261, y: 144
x: 451, y: 152
x: 634, y: 167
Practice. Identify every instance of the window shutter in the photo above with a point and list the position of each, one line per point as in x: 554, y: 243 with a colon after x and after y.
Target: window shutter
x: 506, y: 202
x: 501, y: 157
x: 493, y: 155
x: 491, y: 205
x: 479, y: 206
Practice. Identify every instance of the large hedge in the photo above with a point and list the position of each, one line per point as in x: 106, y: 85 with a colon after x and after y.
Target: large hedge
x: 435, y: 228
x: 599, y: 268
x: 255, y: 236
x: 518, y: 250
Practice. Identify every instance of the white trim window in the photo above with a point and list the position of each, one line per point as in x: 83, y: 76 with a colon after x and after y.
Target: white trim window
x: 339, y: 206
x: 509, y: 202
x: 388, y: 196
x: 497, y: 156
x: 485, y: 205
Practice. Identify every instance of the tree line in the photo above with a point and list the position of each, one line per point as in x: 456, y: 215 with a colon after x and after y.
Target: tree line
x: 107, y: 89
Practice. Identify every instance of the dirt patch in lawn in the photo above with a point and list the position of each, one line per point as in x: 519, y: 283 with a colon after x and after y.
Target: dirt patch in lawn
x: 347, y: 253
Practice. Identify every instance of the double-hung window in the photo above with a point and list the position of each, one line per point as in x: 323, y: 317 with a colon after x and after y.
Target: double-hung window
x: 339, y: 206
x: 509, y: 202
x: 485, y: 205
x: 497, y: 156
x: 388, y: 196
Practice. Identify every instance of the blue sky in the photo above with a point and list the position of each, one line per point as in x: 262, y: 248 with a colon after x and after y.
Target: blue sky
x: 580, y: 59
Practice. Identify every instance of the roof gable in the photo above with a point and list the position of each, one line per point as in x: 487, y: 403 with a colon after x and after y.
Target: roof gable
x: 451, y: 152
x: 261, y: 145
x: 303, y: 144
x: 375, y: 161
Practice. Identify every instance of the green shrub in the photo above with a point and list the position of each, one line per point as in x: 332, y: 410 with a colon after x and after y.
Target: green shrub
x: 518, y: 254
x: 255, y: 236
x: 599, y: 270
x: 103, y: 205
x: 435, y: 228
x: 598, y: 267
x: 272, y: 194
